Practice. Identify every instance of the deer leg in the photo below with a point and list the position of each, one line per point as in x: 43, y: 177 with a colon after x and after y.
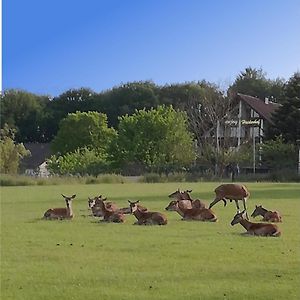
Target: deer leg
x: 245, y: 208
x: 237, y: 206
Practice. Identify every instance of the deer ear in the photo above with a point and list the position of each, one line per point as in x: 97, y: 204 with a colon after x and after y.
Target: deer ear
x: 189, y: 191
x: 63, y: 195
x: 73, y: 196
x: 256, y: 206
x: 138, y: 201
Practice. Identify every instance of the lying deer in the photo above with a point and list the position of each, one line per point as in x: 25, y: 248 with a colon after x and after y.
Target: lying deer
x: 269, y: 216
x: 61, y: 213
x: 96, y: 210
x: 109, y: 214
x: 147, y: 217
x: 262, y: 229
x: 231, y: 192
x: 199, y: 214
x: 186, y: 200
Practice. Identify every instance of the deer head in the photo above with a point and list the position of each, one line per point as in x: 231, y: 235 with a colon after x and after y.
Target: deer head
x: 257, y: 211
x: 237, y: 218
x: 133, y: 205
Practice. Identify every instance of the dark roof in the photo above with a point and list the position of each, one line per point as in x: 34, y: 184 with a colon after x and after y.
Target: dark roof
x: 258, y: 105
x: 39, y: 153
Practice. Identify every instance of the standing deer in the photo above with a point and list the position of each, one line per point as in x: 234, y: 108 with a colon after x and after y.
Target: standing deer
x: 262, y: 229
x: 231, y: 192
x: 61, y: 213
x: 147, y: 217
x: 269, y: 216
x: 199, y: 214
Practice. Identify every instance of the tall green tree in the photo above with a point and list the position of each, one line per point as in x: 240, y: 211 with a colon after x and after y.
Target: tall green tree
x: 24, y: 111
x: 10, y: 152
x: 254, y: 82
x: 286, y: 119
x: 83, y: 129
x: 158, y: 139
x: 126, y: 98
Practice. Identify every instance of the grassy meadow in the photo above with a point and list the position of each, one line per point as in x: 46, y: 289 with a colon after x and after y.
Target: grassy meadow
x: 86, y: 259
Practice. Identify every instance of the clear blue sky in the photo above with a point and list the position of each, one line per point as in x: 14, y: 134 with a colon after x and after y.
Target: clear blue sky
x: 50, y: 46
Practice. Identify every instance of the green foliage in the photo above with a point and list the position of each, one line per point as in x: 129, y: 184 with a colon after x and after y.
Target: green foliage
x: 286, y: 119
x: 83, y: 129
x: 125, y: 99
x: 24, y: 111
x: 80, y: 162
x: 10, y: 152
x: 158, y: 139
x: 278, y: 155
x: 253, y: 82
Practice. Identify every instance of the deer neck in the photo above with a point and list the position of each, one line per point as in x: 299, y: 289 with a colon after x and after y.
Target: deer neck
x: 263, y: 211
x: 246, y: 224
x: 138, y: 214
x: 69, y: 209
x: 180, y: 211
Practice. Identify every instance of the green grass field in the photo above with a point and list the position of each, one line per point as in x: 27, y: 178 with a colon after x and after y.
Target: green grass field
x: 84, y: 259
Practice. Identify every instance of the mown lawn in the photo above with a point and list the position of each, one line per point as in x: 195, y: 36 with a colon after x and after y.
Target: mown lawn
x: 84, y: 259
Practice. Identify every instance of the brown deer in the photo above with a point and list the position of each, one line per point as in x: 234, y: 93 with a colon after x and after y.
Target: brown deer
x: 109, y: 214
x: 61, y: 213
x: 147, y: 217
x: 95, y: 208
x: 231, y: 192
x: 199, y: 214
x: 186, y: 200
x: 261, y: 229
x: 127, y: 210
x: 269, y: 216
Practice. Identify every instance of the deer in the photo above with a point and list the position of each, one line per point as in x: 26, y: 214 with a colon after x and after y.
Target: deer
x: 146, y: 217
x: 127, y: 210
x: 199, y: 214
x: 231, y: 192
x: 109, y: 214
x: 61, y: 213
x: 260, y: 229
x: 96, y: 210
x: 186, y: 200
x: 268, y: 215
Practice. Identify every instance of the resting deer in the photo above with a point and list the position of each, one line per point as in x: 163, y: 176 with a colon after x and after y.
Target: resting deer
x: 199, y: 214
x: 109, y: 215
x: 262, y: 229
x: 96, y: 210
x: 127, y: 210
x: 147, y: 217
x: 269, y: 216
x: 186, y: 200
x: 231, y: 192
x: 61, y: 213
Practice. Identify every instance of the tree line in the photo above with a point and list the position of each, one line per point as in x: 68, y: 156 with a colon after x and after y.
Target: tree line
x: 124, y: 108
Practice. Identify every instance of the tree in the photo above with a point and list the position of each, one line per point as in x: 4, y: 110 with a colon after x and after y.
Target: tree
x: 253, y: 82
x: 126, y: 98
x: 286, y: 119
x: 158, y: 139
x: 279, y: 155
x: 23, y: 111
x: 82, y: 161
x: 83, y: 129
x: 10, y: 152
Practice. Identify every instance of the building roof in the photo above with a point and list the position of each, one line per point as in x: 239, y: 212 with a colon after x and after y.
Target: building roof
x: 39, y: 153
x: 265, y: 110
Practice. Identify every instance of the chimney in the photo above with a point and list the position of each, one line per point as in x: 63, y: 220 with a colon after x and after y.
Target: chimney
x: 267, y: 100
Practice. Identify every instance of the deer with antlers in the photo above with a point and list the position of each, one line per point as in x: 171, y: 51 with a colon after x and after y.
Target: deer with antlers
x: 268, y: 215
x: 261, y: 229
x: 194, y: 213
x: 61, y: 213
x: 236, y: 192
x: 147, y: 217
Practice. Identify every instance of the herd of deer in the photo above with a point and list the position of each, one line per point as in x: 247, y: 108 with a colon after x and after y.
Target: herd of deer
x: 184, y: 205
